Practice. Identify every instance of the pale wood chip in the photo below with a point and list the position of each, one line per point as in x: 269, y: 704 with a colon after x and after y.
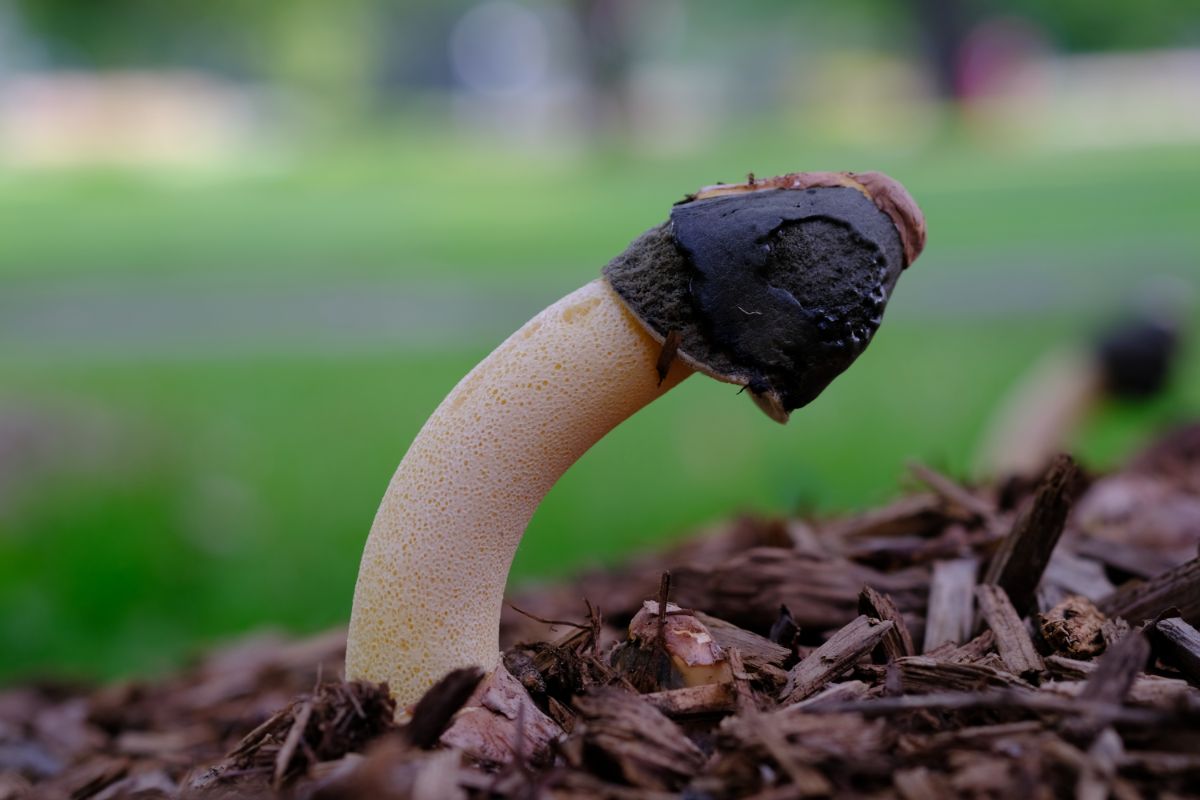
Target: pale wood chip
x: 950, y: 614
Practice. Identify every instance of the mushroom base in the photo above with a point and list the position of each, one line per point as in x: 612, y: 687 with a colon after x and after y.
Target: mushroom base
x: 432, y: 578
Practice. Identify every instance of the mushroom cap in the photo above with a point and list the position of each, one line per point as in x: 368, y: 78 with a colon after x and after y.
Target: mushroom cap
x: 777, y: 284
x: 1137, y: 356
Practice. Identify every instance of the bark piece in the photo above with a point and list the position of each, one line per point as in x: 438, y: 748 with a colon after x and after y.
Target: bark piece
x: 834, y: 694
x: 806, y: 780
x: 747, y: 589
x: 805, y: 738
x: 1070, y: 668
x: 1147, y: 690
x: 690, y: 701
x: 744, y: 700
x: 437, y: 707
x: 833, y: 658
x: 1018, y: 565
x: 1109, y: 683
x: 93, y: 777
x: 756, y: 650
x: 949, y: 614
x: 1178, y: 587
x: 953, y: 492
x: 897, y: 643
x: 1117, y: 669
x: 500, y: 724
x: 647, y: 749
x: 1012, y: 640
x: 973, y: 651
x: 921, y: 674
x: 1182, y: 646
x: 917, y: 514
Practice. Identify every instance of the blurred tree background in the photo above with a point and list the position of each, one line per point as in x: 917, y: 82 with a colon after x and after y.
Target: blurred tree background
x: 247, y: 246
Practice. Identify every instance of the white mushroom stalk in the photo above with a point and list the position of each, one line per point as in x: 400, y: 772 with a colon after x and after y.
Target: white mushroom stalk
x: 775, y: 285
x: 431, y: 583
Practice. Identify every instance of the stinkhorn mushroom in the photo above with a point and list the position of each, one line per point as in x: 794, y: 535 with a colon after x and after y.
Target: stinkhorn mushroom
x: 776, y: 285
x: 1131, y: 360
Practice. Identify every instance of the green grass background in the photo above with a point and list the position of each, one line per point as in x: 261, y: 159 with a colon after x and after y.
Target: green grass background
x: 188, y: 498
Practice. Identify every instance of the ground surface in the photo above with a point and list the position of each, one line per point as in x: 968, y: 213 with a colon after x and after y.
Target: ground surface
x: 1035, y: 639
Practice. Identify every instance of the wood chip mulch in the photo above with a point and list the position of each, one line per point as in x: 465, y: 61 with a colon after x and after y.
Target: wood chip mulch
x: 1029, y: 641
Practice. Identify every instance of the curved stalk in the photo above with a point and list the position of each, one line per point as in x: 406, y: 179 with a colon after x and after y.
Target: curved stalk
x: 431, y: 583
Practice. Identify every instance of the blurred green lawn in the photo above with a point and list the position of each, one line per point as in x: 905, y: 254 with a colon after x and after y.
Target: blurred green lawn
x: 191, y: 498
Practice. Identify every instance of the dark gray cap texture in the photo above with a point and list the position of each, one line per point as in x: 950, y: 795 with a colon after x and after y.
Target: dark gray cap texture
x: 778, y: 290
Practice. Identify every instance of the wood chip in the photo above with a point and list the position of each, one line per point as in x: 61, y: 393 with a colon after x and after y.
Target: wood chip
x: 436, y: 708
x: 1109, y: 683
x: 1182, y: 646
x: 833, y: 658
x: 95, y: 776
x: 1012, y: 640
x: 1117, y: 669
x: 973, y: 651
x: 709, y: 699
x: 744, y: 700
x: 921, y: 674
x: 1018, y: 565
x: 284, y: 759
x: 808, y: 781
x: 834, y: 694
x: 896, y: 643
x: 756, y: 650
x: 953, y: 492
x: 646, y: 748
x: 917, y: 514
x: 950, y: 614
x: 750, y: 587
x: 1177, y: 588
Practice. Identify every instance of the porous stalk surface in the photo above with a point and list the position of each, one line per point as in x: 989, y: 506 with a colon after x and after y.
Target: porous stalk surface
x: 432, y: 578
